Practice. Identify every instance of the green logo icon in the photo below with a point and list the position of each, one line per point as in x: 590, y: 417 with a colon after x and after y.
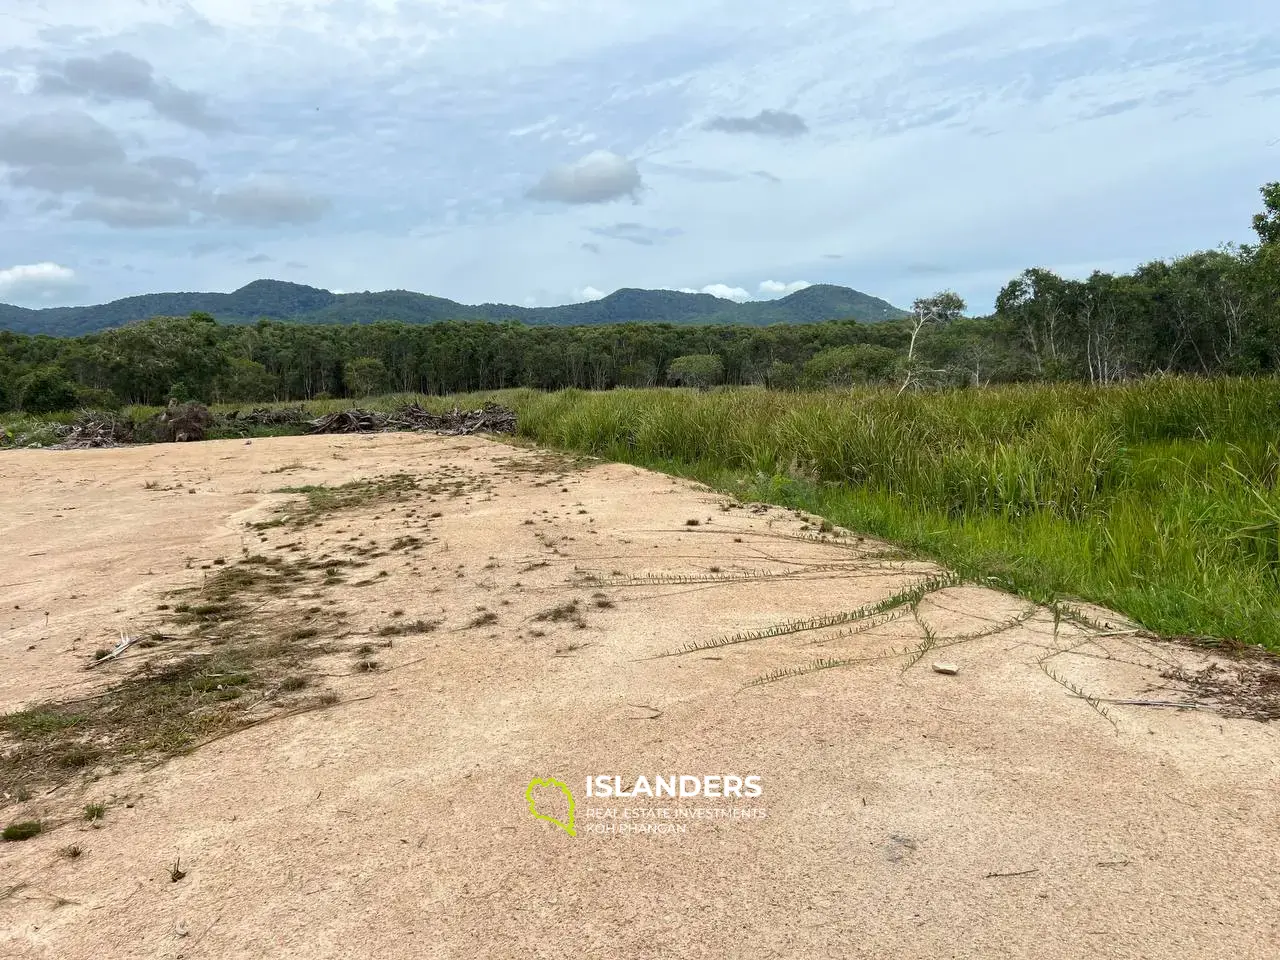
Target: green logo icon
x: 567, y: 827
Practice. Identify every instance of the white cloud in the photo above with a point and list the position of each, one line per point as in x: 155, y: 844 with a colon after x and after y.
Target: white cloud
x: 588, y: 293
x: 598, y: 177
x: 29, y: 282
x: 726, y: 292
x: 775, y: 287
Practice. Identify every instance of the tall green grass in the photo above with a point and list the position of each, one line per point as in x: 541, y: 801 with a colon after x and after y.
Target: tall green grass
x: 1157, y: 499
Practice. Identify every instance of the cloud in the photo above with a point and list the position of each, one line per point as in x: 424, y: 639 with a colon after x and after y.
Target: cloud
x: 129, y: 181
x: 175, y: 168
x: 65, y: 138
x: 767, y: 289
x: 766, y: 123
x: 258, y: 258
x: 37, y: 281
x: 1112, y: 109
x: 130, y: 214
x: 598, y: 177
x: 726, y: 292
x: 205, y: 247
x: 69, y: 154
x: 122, y: 76
x: 636, y: 233
x: 688, y: 171
x: 588, y: 293
x: 268, y: 201
x: 775, y: 287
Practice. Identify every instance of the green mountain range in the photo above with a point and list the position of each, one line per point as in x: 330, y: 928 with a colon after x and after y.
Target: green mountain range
x: 277, y: 300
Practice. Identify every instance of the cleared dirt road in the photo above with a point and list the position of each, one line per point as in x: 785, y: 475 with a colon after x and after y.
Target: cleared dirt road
x: 904, y: 812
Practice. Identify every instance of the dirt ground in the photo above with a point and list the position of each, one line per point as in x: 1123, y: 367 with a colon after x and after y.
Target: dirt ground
x: 1013, y: 809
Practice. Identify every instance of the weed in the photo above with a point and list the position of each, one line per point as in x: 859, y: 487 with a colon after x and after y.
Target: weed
x: 95, y: 811
x: 319, y: 500
x: 559, y: 614
x: 404, y: 629
x: 243, y: 647
x: 907, y: 597
x: 569, y: 648
x: 22, y: 830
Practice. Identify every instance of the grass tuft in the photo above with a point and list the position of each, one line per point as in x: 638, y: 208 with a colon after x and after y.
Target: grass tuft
x: 22, y: 830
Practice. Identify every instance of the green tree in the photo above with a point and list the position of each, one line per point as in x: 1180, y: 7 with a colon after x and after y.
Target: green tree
x: 364, y: 376
x: 639, y: 373
x: 245, y: 381
x: 845, y: 366
x: 779, y: 375
x: 95, y: 398
x: 701, y: 370
x: 1267, y: 223
x: 46, y: 389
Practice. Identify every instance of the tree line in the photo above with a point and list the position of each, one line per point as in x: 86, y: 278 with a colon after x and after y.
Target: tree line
x: 1208, y: 313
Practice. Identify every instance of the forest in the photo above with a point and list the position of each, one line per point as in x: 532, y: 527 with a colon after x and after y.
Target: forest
x: 1207, y: 313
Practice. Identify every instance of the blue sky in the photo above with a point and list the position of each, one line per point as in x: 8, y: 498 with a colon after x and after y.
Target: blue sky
x: 547, y: 151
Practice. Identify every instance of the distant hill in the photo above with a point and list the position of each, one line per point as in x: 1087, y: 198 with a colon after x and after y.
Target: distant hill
x: 277, y: 300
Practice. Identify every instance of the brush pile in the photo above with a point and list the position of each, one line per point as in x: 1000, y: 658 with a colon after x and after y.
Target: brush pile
x: 492, y: 418
x: 193, y: 421
x: 349, y: 421
x: 180, y: 423
x: 92, y: 429
x: 263, y: 417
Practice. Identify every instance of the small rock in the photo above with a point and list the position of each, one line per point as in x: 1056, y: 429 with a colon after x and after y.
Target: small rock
x: 180, y: 929
x: 950, y: 669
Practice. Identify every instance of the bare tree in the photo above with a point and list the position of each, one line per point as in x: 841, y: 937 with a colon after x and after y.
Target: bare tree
x: 939, y: 309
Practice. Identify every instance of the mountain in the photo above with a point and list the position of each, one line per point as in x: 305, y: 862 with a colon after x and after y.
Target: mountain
x: 277, y: 300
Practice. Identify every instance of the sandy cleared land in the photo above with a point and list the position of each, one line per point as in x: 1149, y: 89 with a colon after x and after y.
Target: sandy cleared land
x: 905, y: 813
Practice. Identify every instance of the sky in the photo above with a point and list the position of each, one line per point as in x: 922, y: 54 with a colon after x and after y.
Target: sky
x: 550, y: 151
